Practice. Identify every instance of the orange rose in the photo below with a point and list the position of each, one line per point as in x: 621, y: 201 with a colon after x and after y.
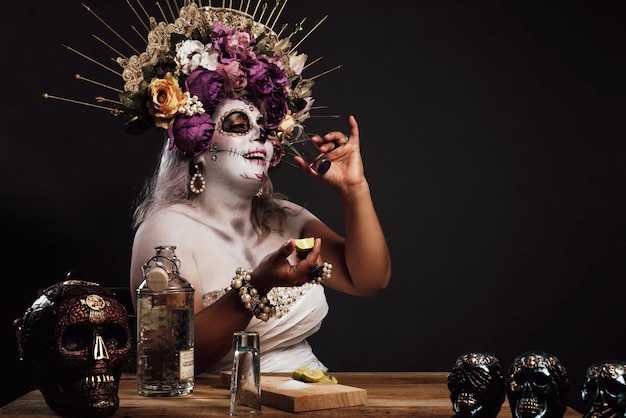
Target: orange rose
x: 166, y: 99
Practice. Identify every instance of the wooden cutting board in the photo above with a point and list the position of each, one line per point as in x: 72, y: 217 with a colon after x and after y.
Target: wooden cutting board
x: 282, y: 392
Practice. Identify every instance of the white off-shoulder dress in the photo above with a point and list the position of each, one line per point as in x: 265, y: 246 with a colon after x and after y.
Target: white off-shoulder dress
x: 283, y: 338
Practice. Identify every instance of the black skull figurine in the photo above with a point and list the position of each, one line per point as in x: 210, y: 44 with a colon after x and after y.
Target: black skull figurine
x: 476, y: 386
x: 73, y: 341
x: 537, y: 385
x: 604, y: 390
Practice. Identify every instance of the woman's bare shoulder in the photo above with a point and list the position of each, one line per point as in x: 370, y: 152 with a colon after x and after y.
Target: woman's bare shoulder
x: 168, y: 222
x: 294, y: 207
x: 178, y: 212
x: 168, y: 226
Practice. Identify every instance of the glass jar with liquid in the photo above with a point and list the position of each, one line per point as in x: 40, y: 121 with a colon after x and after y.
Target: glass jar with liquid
x: 165, y: 327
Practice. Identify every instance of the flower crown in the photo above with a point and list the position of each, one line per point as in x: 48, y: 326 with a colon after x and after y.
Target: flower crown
x: 206, y: 55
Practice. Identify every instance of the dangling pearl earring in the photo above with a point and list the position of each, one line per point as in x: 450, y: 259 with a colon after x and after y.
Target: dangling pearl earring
x: 197, y: 183
x: 260, y: 192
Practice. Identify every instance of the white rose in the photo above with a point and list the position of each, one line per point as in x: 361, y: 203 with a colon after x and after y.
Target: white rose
x: 193, y: 54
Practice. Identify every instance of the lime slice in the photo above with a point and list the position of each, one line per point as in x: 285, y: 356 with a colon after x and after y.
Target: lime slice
x: 297, y: 374
x: 304, y: 246
x: 304, y: 374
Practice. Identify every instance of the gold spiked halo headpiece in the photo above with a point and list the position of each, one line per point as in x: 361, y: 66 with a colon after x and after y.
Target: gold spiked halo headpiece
x: 197, y: 58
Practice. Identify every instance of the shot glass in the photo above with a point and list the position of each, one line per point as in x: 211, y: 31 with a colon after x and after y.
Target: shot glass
x: 300, y: 143
x: 245, y: 381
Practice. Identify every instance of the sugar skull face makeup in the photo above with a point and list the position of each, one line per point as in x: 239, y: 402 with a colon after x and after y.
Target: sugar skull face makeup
x: 240, y: 144
x: 237, y: 122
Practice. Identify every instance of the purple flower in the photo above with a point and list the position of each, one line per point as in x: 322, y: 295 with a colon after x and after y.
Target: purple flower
x: 232, y: 44
x: 265, y: 77
x: 253, y: 66
x: 193, y: 134
x: 208, y: 86
x: 275, y: 105
x: 164, y: 66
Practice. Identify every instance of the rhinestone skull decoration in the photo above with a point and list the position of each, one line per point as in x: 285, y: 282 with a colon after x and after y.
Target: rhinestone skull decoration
x: 537, y: 385
x: 73, y: 341
x: 476, y: 386
x: 604, y: 390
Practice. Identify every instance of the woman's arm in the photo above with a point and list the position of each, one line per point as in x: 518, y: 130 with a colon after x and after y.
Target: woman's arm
x: 361, y: 261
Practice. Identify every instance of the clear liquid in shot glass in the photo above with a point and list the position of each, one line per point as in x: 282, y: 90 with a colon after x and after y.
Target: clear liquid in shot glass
x: 300, y: 143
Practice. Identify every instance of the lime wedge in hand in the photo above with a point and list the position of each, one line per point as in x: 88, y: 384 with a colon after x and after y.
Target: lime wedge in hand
x: 304, y: 246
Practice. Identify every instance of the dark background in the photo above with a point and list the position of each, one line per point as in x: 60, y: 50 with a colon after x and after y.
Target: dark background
x: 493, y: 140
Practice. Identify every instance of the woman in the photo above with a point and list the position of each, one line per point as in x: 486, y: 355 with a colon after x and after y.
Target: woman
x: 212, y: 198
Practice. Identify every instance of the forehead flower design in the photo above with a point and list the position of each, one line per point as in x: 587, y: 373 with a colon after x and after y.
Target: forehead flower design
x: 203, y: 55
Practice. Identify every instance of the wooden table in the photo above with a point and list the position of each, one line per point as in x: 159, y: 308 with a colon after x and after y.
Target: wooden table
x: 401, y: 394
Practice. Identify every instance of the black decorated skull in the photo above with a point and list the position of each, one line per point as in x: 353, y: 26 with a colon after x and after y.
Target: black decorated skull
x: 73, y: 341
x: 537, y: 386
x: 604, y: 390
x: 476, y: 386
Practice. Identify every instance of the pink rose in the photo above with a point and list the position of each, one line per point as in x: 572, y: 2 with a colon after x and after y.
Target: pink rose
x: 234, y: 76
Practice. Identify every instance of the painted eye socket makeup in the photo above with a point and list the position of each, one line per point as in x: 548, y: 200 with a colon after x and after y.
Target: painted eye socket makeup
x: 238, y: 122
